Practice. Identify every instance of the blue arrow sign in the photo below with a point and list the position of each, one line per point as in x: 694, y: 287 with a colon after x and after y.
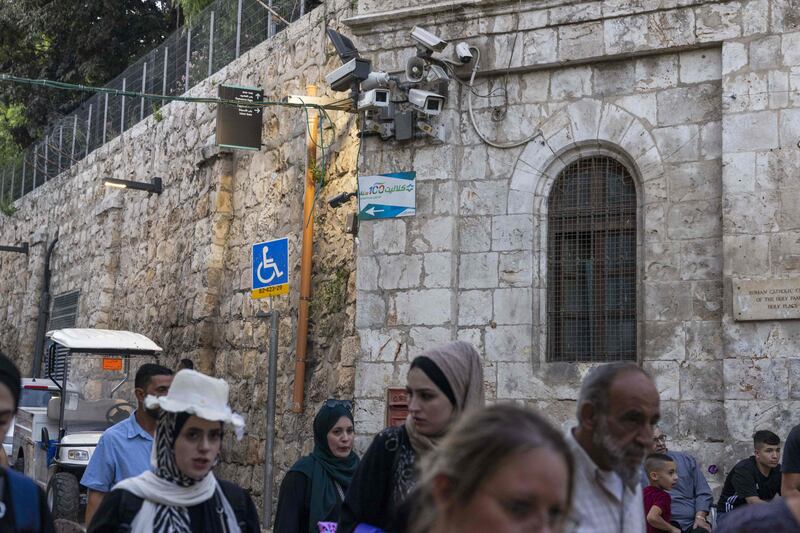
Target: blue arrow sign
x: 387, y: 195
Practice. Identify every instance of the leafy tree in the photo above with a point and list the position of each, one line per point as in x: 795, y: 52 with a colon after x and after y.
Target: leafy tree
x: 86, y: 42
x: 192, y: 8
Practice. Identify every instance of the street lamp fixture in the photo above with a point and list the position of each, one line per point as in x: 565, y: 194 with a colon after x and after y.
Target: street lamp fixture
x: 154, y: 187
x: 21, y: 249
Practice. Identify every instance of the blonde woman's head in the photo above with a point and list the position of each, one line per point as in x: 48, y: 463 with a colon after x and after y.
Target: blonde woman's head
x: 503, y: 469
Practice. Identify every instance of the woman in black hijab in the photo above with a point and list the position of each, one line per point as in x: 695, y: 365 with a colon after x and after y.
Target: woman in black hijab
x: 313, y: 489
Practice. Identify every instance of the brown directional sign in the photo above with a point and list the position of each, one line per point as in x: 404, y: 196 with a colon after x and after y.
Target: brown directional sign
x: 239, y: 126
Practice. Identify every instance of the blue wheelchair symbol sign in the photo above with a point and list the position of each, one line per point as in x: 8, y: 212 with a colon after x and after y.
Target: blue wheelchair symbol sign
x: 270, y: 268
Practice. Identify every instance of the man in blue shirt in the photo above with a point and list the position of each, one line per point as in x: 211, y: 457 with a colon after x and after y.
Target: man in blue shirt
x: 124, y: 449
x: 691, y: 495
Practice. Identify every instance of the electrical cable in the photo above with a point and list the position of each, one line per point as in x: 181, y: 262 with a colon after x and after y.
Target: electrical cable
x: 494, y: 144
x: 322, y: 109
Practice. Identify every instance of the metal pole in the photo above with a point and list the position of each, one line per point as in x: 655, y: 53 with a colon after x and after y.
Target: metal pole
x: 164, y: 82
x: 60, y: 146
x: 35, y: 162
x: 272, y: 384
x: 46, y: 157
x: 3, y: 183
x: 211, y: 46
x: 302, y: 7
x: 22, y: 185
x: 88, y: 129
x: 306, y: 259
x: 270, y: 21
x: 74, y: 136
x: 188, y: 56
x: 238, y: 27
x: 122, y: 115
x: 105, y: 119
x: 144, y: 89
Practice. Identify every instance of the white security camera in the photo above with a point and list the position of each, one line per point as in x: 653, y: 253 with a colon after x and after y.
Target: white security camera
x: 436, y: 73
x: 428, y: 40
x: 375, y: 79
x: 373, y: 99
x: 463, y: 52
x: 426, y: 101
x: 354, y: 71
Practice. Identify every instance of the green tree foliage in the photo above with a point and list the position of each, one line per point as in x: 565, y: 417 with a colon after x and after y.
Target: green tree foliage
x: 192, y: 8
x: 12, y: 118
x: 87, y: 42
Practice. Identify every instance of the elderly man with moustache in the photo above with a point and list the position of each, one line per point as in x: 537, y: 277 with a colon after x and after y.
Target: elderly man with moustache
x: 618, y: 407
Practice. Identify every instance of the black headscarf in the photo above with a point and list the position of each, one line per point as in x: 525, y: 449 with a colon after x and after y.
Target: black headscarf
x: 324, y: 469
x: 10, y: 377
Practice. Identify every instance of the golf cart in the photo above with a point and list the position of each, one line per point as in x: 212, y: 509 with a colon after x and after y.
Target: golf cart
x: 94, y: 370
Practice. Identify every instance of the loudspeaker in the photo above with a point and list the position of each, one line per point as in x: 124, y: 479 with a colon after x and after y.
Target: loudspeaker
x: 415, y: 69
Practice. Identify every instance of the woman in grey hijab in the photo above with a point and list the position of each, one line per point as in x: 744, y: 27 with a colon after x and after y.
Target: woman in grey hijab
x: 442, y: 384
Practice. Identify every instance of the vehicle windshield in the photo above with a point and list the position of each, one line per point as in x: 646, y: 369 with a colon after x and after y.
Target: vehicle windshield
x: 34, y: 397
x: 99, y: 391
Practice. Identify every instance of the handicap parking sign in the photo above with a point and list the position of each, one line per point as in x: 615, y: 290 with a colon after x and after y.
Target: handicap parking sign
x: 270, y: 268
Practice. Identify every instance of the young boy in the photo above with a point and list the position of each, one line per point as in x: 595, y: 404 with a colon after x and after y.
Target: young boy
x: 662, y: 475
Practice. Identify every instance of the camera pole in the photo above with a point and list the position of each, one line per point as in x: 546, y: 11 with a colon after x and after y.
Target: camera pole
x: 306, y: 259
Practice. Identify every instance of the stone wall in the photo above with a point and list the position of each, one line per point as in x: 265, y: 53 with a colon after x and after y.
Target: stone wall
x: 176, y: 266
x: 695, y: 98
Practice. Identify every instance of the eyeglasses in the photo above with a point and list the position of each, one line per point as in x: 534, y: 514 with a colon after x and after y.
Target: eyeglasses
x: 660, y: 438
x: 347, y: 404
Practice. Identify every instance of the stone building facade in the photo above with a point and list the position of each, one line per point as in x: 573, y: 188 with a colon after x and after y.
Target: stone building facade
x: 698, y: 100
x: 176, y: 266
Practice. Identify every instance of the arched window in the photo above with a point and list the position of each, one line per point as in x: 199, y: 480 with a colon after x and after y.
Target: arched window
x: 591, y: 263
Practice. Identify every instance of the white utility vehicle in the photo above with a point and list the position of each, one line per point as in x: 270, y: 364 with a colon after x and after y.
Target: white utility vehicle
x: 34, y: 395
x: 94, y: 371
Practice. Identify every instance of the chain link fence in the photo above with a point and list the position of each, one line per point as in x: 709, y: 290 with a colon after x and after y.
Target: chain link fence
x: 221, y: 33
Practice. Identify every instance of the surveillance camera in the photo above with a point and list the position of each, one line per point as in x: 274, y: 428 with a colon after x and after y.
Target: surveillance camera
x: 436, y: 73
x: 375, y: 79
x: 463, y: 52
x: 426, y: 101
x: 373, y: 99
x: 354, y: 71
x: 340, y: 199
x: 428, y: 40
x: 415, y: 69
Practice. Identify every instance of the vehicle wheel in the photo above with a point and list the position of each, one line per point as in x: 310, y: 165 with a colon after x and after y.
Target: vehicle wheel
x: 64, y: 496
x: 19, y: 464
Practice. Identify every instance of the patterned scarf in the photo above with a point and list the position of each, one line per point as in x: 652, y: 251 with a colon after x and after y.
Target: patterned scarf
x: 170, y: 518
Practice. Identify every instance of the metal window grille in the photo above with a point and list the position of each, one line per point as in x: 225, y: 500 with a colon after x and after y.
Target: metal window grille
x: 65, y: 310
x: 591, y: 263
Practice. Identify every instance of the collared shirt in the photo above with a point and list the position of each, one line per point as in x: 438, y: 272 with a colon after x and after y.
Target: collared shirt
x: 601, y: 502
x: 691, y: 494
x: 122, y: 452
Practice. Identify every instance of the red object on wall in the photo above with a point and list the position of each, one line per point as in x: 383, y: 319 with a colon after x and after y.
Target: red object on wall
x: 396, y: 406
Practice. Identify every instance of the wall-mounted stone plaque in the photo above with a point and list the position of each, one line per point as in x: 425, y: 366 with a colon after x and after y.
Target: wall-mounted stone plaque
x: 766, y: 299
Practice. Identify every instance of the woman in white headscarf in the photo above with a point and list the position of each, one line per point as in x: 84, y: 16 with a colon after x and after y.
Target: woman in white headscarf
x: 181, y: 494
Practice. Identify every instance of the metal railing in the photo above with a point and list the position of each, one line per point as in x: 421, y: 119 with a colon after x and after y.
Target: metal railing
x: 221, y: 33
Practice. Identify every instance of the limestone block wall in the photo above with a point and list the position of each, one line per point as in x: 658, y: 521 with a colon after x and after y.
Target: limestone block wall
x: 649, y: 84
x: 176, y: 267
